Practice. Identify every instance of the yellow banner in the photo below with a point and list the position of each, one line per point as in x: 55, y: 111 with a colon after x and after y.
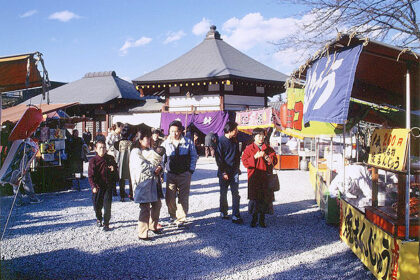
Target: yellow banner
x: 292, y: 120
x: 388, y: 148
x: 385, y: 256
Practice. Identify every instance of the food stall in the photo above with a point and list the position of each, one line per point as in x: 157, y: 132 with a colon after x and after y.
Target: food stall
x: 381, y: 228
x: 323, y: 148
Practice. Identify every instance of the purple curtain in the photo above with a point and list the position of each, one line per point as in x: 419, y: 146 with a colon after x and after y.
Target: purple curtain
x: 205, y: 122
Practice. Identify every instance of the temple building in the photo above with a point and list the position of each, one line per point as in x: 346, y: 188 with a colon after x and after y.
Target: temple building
x: 211, y: 77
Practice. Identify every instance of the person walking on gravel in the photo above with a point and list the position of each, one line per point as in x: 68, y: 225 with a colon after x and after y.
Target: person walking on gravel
x: 180, y: 160
x: 144, y: 175
x: 228, y: 161
x: 102, y: 174
x: 259, y: 159
x: 124, y: 148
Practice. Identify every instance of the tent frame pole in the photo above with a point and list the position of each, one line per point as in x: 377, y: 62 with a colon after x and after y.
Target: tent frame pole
x: 408, y: 167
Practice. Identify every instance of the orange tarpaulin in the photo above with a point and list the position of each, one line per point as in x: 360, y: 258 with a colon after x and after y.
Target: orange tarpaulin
x: 19, y: 72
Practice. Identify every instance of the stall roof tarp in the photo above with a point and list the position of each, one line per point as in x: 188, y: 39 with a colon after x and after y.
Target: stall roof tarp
x: 13, y: 73
x: 13, y: 114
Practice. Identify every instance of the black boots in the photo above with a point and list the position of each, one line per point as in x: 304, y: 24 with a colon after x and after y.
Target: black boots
x: 261, y: 221
x: 254, y: 220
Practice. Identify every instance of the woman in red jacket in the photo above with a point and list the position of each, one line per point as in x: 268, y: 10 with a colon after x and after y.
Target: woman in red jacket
x: 259, y: 159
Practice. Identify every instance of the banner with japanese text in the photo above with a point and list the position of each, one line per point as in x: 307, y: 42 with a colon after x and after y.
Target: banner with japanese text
x: 255, y: 118
x: 329, y: 82
x: 206, y: 122
x: 385, y: 256
x: 388, y: 148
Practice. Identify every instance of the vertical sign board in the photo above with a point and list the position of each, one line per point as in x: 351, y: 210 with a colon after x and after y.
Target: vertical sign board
x: 388, y: 148
x: 385, y: 256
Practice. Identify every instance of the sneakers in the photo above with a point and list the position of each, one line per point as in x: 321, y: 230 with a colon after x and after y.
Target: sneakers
x: 224, y: 216
x: 180, y: 224
x: 99, y: 223
x: 35, y: 200
x: 237, y: 220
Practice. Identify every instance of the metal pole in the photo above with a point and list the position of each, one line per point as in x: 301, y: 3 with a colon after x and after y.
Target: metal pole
x: 344, y: 155
x: 316, y: 152
x: 332, y: 158
x: 357, y: 142
x: 408, y: 126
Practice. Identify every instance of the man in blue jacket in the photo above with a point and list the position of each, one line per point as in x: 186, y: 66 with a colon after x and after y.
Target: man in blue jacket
x: 180, y: 160
x: 228, y: 163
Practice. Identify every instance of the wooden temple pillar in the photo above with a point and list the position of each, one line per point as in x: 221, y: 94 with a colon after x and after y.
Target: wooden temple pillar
x: 83, y: 124
x: 106, y: 125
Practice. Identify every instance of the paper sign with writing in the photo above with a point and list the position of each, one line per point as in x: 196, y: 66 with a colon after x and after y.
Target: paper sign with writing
x: 388, y: 149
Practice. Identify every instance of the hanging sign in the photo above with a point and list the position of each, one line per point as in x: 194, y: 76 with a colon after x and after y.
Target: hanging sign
x: 291, y: 118
x: 329, y: 82
x: 388, y: 149
x: 255, y: 118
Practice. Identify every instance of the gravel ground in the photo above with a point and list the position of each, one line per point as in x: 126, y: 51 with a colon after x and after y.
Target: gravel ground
x: 58, y: 239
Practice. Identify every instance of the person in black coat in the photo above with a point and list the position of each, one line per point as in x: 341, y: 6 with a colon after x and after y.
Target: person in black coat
x: 102, y: 177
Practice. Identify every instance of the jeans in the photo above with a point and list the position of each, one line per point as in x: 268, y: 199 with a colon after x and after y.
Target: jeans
x: 233, y: 182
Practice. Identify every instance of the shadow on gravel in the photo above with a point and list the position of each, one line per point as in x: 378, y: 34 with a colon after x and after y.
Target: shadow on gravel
x: 328, y: 268
x: 210, y: 247
x: 243, y: 184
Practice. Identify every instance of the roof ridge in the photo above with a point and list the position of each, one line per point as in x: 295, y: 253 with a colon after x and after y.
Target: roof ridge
x: 221, y: 55
x: 100, y: 74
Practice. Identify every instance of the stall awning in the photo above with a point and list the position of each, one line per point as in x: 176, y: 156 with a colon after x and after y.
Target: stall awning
x: 13, y: 114
x: 19, y: 72
x: 371, y: 71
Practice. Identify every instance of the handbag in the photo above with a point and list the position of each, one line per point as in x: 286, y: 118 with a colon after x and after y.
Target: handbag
x: 273, y: 182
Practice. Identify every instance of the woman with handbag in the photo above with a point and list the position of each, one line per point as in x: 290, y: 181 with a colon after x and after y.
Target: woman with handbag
x: 144, y: 177
x: 259, y: 159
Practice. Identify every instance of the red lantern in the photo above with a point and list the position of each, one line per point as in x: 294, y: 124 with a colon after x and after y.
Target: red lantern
x: 283, y: 115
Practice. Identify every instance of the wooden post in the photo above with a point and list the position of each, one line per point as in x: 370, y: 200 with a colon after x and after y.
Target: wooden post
x: 106, y: 125
x: 375, y: 177
x: 83, y: 124
x: 222, y: 103
x: 94, y: 130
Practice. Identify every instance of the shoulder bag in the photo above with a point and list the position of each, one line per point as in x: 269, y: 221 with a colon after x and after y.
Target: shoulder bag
x: 273, y: 182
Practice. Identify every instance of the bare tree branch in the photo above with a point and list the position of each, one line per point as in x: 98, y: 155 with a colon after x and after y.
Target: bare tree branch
x: 391, y: 21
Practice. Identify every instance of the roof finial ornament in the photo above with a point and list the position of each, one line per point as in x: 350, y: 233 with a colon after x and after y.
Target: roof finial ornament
x: 213, y: 34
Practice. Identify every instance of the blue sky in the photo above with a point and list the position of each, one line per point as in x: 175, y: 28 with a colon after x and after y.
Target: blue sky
x: 136, y: 37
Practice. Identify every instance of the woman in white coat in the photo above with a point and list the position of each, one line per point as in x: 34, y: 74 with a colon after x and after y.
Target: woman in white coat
x: 144, y: 179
